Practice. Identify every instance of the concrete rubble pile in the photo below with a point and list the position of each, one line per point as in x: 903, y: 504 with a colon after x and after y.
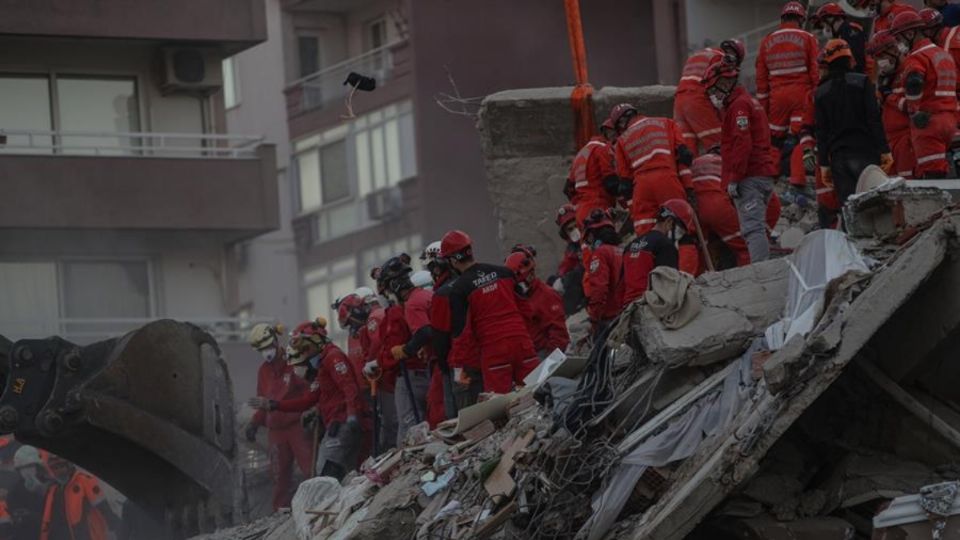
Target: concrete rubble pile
x: 803, y: 396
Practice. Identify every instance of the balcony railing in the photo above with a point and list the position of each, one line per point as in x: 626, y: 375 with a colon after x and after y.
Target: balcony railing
x: 88, y: 330
x: 327, y: 86
x: 130, y: 144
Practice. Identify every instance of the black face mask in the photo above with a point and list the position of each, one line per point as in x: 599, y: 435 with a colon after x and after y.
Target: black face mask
x: 522, y: 288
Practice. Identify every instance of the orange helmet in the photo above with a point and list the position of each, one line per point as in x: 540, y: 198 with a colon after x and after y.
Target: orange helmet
x: 906, y: 21
x: 836, y: 49
x: 681, y: 211
x: 793, y: 9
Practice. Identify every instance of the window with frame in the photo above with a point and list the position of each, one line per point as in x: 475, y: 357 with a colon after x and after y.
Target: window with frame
x: 323, y: 286
x: 376, y: 34
x: 308, y: 54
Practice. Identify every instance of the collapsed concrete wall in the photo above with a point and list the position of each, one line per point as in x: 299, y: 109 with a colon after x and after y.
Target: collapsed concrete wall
x: 528, y: 145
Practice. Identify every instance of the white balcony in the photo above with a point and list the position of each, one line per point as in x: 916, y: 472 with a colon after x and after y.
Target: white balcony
x: 129, y: 144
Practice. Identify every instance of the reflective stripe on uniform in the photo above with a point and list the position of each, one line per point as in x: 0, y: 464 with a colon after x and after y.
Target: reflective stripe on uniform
x: 689, y: 135
x: 706, y: 178
x: 643, y: 221
x: 925, y: 47
x: 691, y: 78
x: 774, y: 127
x: 789, y: 71
x: 905, y: 174
x: 821, y: 191
x: 707, y: 132
x: 641, y: 160
x: 945, y: 93
x: 763, y: 96
x: 806, y: 139
x: 729, y: 237
x: 581, y: 184
x: 928, y: 159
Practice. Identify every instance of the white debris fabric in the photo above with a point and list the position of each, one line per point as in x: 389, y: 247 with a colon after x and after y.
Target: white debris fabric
x: 822, y: 256
x: 315, y: 494
x: 709, y: 415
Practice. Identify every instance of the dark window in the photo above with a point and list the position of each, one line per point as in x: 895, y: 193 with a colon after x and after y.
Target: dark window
x: 309, y: 52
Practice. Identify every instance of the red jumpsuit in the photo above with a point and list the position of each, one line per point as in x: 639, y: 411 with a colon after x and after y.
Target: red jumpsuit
x: 714, y: 209
x: 949, y: 40
x: 938, y: 98
x: 646, y: 152
x: 787, y: 75
x: 884, y: 21
x: 645, y: 253
x: 542, y: 309
x: 570, y: 260
x: 603, y: 282
x: 336, y: 396
x: 417, y: 311
x: 592, y: 165
x: 483, y: 298
x: 369, y: 335
x: 287, y: 439
x: 355, y: 354
x: 896, y: 125
x: 698, y: 119
x: 393, y: 331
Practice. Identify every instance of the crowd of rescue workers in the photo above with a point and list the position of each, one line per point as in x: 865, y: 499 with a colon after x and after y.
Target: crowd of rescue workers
x: 694, y: 192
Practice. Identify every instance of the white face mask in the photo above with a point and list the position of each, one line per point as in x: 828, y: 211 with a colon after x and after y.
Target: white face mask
x: 300, y: 370
x: 717, y: 101
x: 678, y: 232
x: 902, y: 48
x: 574, y: 235
x: 268, y: 354
x: 884, y: 65
x: 827, y: 32
x: 30, y: 480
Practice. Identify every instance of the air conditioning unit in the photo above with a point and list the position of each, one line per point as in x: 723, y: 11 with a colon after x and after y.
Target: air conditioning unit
x: 385, y: 204
x: 193, y: 70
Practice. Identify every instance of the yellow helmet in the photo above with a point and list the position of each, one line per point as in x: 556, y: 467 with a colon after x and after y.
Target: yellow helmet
x: 263, y: 336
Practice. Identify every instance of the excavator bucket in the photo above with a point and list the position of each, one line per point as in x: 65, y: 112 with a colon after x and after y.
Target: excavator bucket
x: 151, y: 413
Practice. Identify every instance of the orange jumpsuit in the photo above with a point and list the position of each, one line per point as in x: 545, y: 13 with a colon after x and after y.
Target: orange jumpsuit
x: 949, y: 40
x: 698, y: 119
x: 896, y: 126
x: 646, y: 152
x: 787, y: 75
x: 592, y: 165
x: 714, y: 209
x: 938, y: 98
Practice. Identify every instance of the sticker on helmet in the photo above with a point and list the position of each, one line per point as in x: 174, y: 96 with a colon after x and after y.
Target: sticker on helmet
x: 341, y: 367
x: 743, y: 122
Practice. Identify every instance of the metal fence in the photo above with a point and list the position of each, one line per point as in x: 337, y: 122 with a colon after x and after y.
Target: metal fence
x: 129, y: 144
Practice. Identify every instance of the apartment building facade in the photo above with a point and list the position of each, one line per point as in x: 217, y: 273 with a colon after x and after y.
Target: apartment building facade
x: 402, y: 164
x: 123, y: 195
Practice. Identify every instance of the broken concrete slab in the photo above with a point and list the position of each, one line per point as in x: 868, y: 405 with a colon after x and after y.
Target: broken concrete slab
x: 886, y: 213
x: 738, y: 305
x: 528, y: 142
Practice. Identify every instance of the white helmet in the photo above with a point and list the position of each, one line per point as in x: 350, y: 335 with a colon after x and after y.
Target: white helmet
x: 367, y: 294
x: 263, y: 336
x: 421, y: 278
x: 27, y: 456
x: 431, y: 252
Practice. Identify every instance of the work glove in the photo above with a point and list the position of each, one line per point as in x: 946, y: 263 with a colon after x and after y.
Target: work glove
x: 353, y: 424
x: 921, y: 119
x: 371, y: 369
x: 333, y: 429
x: 398, y: 352
x: 886, y: 162
x: 733, y: 190
x: 262, y: 403
x: 809, y: 161
x: 558, y: 286
x: 308, y: 420
x: 251, y: 432
x: 826, y: 176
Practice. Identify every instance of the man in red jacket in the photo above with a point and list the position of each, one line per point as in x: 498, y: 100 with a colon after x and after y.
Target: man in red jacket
x: 715, y: 211
x: 595, y: 182
x: 287, y: 440
x: 748, y: 168
x: 541, y: 306
x: 348, y: 427
x: 698, y: 120
x: 929, y: 85
x: 602, y: 279
x: 369, y: 337
x: 483, y: 295
x: 787, y: 75
x: 657, y: 247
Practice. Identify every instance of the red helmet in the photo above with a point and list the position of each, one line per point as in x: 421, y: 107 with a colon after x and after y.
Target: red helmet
x: 880, y: 42
x: 793, y: 9
x: 608, y: 124
x: 526, y: 249
x: 620, y: 112
x: 830, y: 9
x: 681, y: 211
x: 931, y: 18
x: 906, y: 21
x: 521, y: 264
x: 598, y: 218
x: 307, y: 340
x: 456, y: 245
x: 718, y: 71
x: 733, y: 51
x: 566, y: 215
x: 348, y: 306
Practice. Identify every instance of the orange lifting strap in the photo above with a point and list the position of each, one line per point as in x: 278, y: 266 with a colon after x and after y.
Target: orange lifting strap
x: 581, y: 98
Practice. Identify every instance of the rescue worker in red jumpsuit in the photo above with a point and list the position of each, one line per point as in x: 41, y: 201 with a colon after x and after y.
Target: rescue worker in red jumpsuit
x: 698, y: 120
x: 349, y: 312
x: 335, y: 395
x: 651, y: 152
x: 929, y: 83
x: 748, y: 168
x: 595, y: 182
x: 896, y: 120
x: 787, y: 75
x: 411, y: 358
x: 369, y: 337
x: 835, y: 23
x: 946, y: 38
x: 541, y: 306
x: 715, y: 211
x: 482, y: 296
x: 656, y: 247
x: 887, y: 12
x: 568, y: 281
x: 286, y: 438
x: 603, y: 278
